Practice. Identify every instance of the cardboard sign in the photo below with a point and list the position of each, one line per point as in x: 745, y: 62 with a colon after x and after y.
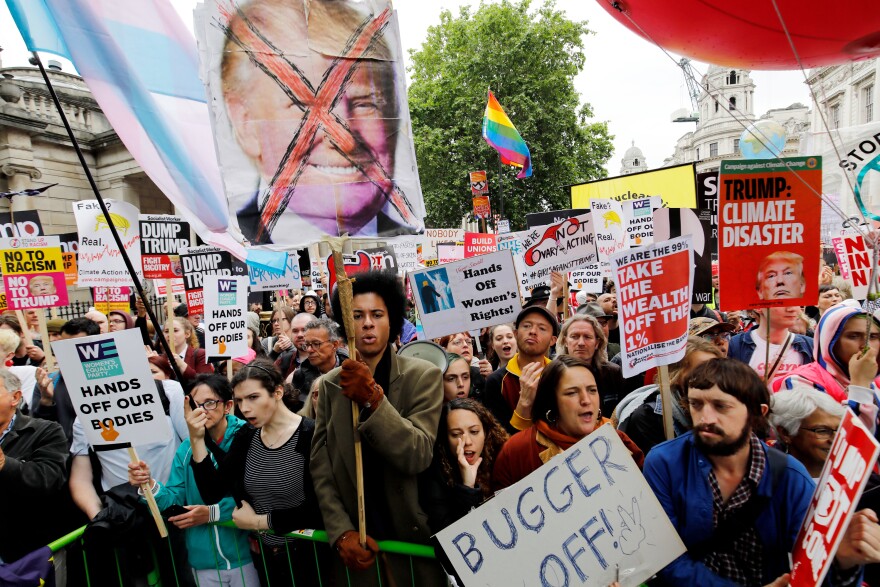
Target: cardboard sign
x: 162, y: 237
x: 609, y: 225
x: 99, y: 261
x: 569, y: 244
x: 854, y: 257
x: 69, y: 247
x: 112, y: 299
x: 225, y: 316
x: 198, y: 262
x: 406, y: 251
x: 478, y: 243
x: 33, y: 272
x: 482, y: 207
x: 378, y: 259
x: 112, y: 390
x: 674, y: 185
x: 654, y: 303
x: 639, y: 215
x: 479, y: 183
x: 434, y: 236
x: 846, y: 471
x: 768, y: 227
x: 466, y: 295
x: 262, y: 280
x: 21, y: 224
x: 702, y: 225
x: 579, y: 519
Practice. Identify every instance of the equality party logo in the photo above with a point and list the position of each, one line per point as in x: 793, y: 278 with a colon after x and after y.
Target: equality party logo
x: 226, y: 292
x: 99, y: 359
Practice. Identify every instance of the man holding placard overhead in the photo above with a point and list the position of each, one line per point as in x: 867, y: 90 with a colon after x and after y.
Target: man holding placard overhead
x: 400, y: 400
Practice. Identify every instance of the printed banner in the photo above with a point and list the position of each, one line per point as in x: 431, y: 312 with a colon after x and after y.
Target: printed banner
x: 569, y: 244
x: 479, y: 183
x: 584, y: 517
x: 225, y: 316
x: 846, y: 471
x: 854, y: 257
x: 177, y: 288
x: 199, y: 262
x: 639, y: 215
x: 466, y: 295
x: 21, y: 224
x: 769, y: 230
x: 69, y: 247
x: 98, y: 258
x: 311, y: 120
x: 478, y: 243
x: 262, y: 280
x: 654, y: 303
x: 702, y: 225
x: 378, y: 259
x: 112, y: 390
x: 674, y: 185
x: 608, y: 225
x: 162, y: 237
x: 482, y: 207
x: 112, y: 299
x: 33, y: 273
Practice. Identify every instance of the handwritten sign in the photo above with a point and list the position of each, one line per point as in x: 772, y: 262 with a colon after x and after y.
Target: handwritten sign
x: 33, y: 272
x: 566, y: 245
x: 854, y: 257
x: 406, y: 250
x: 466, y: 295
x: 262, y: 280
x: 99, y: 261
x: 654, y: 303
x: 162, y: 238
x: 575, y: 521
x: 846, y: 471
x: 609, y: 226
x: 225, y: 316
x: 112, y: 390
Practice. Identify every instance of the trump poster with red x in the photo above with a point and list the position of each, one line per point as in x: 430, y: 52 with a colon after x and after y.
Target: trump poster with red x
x: 310, y: 118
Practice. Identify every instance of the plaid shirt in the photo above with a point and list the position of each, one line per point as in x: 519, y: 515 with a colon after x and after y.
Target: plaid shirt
x: 742, y: 561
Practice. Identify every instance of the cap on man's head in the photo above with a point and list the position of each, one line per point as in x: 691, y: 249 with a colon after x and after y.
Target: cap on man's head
x: 181, y: 311
x: 538, y: 310
x: 699, y: 326
x: 539, y: 294
x: 595, y: 310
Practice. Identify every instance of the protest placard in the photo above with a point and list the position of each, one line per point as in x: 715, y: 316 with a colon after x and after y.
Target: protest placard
x: 639, y: 217
x: 846, y: 471
x: 479, y: 184
x: 406, y: 250
x: 675, y: 185
x: 33, y: 272
x: 225, y: 316
x: 610, y: 230
x: 177, y: 288
x: 536, y: 219
x: 162, y: 237
x: 503, y: 226
x: 768, y: 227
x: 69, y: 247
x: 513, y: 242
x: 855, y: 258
x: 566, y: 245
x: 478, y: 243
x: 582, y: 518
x: 482, y: 207
x: 450, y: 252
x: 112, y: 299
x: 588, y: 280
x: 198, y: 262
x: 112, y: 390
x: 654, y: 303
x: 376, y: 259
x: 21, y: 224
x: 262, y: 280
x: 98, y: 258
x: 466, y: 295
x: 433, y: 236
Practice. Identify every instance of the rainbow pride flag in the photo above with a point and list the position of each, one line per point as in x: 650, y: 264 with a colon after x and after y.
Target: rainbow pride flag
x: 502, y: 136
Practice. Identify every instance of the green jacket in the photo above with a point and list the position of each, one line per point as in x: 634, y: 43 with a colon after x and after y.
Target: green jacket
x: 210, y: 547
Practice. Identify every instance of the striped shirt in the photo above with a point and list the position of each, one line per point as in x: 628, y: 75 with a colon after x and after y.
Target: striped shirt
x: 273, y: 478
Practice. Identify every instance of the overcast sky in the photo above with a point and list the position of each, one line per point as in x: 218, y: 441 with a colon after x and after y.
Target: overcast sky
x: 629, y: 82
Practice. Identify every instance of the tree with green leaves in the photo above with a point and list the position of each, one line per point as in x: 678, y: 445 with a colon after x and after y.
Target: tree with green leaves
x: 529, y: 59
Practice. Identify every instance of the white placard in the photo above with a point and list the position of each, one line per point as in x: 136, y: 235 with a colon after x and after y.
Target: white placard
x: 562, y: 246
x: 639, y: 217
x: 112, y: 390
x: 99, y: 262
x: 262, y: 280
x: 575, y: 521
x: 407, y: 254
x: 588, y: 280
x: 225, y: 316
x: 608, y: 224
x: 466, y: 295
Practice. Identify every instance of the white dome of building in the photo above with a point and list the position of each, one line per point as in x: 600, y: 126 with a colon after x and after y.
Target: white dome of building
x: 633, y: 161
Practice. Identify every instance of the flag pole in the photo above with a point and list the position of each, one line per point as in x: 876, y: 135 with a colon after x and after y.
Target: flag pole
x: 500, y: 187
x: 35, y: 60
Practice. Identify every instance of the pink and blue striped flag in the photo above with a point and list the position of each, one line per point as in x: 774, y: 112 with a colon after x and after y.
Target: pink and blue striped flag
x: 141, y: 64
x: 502, y: 136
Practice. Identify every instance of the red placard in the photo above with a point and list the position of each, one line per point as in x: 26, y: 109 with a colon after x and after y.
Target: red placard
x: 109, y: 299
x: 834, y: 501
x: 482, y: 208
x: 479, y: 184
x: 478, y: 243
x: 768, y: 232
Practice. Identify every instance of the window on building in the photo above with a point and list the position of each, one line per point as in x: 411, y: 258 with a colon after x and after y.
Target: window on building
x: 698, y: 153
x: 731, y: 79
x: 733, y: 103
x: 716, y: 105
x: 834, y: 116
x: 868, y: 102
x: 735, y: 146
x: 713, y: 149
x: 635, y: 162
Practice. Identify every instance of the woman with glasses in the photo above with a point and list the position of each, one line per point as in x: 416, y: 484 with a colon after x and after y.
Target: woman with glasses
x: 213, y: 551
x: 311, y: 302
x: 281, y: 339
x: 266, y: 470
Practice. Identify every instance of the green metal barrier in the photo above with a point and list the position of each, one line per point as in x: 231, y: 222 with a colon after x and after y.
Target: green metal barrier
x: 74, y: 540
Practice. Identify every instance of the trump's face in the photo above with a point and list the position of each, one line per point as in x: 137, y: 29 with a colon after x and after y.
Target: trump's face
x: 42, y: 286
x: 781, y: 279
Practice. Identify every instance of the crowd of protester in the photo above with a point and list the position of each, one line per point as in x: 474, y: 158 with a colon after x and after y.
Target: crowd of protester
x: 272, y: 447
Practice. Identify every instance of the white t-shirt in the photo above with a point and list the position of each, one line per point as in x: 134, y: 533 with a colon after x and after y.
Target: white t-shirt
x: 158, y: 455
x: 791, y: 361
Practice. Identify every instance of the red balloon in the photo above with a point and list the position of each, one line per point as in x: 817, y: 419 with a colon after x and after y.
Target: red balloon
x: 748, y: 33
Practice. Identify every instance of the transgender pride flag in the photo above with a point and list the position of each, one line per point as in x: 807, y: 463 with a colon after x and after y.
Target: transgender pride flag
x: 501, y: 135
x: 141, y: 64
